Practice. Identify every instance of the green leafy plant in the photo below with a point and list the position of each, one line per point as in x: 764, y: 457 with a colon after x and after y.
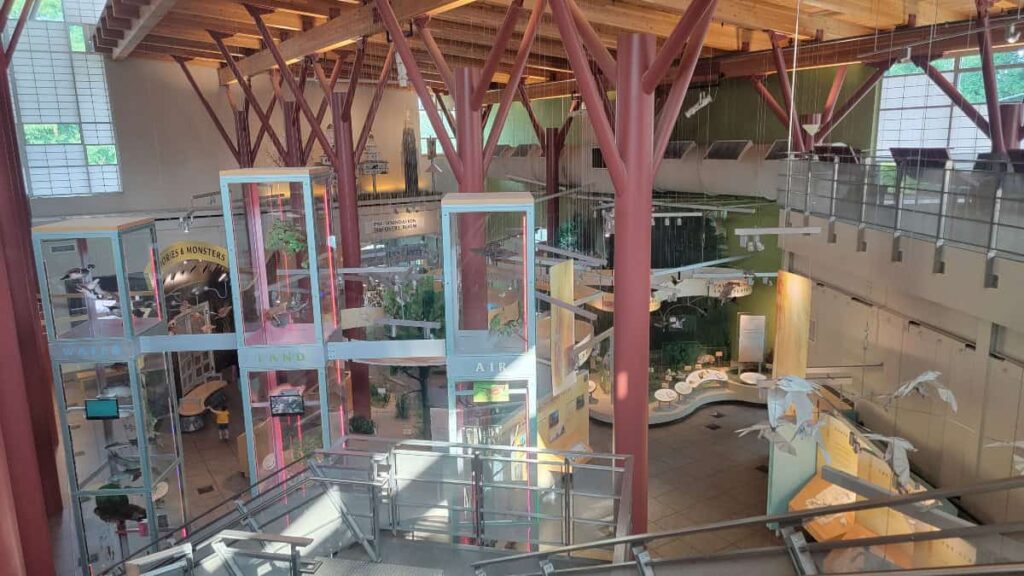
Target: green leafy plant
x: 499, y: 326
x: 361, y: 425
x: 378, y: 399
x: 287, y: 237
x: 117, y: 508
x: 678, y: 354
x: 569, y: 235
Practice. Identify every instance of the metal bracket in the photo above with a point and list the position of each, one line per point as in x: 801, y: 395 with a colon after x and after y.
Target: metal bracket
x: 897, y: 252
x: 939, y: 260
x: 546, y: 567
x: 991, y: 278
x: 346, y: 517
x: 797, y: 545
x: 643, y: 560
x: 225, y: 555
x: 862, y: 243
x: 248, y: 520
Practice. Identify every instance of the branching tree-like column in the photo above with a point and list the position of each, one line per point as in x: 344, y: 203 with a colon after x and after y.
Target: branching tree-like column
x: 632, y: 150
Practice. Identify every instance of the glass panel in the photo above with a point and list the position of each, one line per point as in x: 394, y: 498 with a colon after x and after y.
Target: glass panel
x: 140, y: 266
x: 161, y: 422
x: 168, y: 498
x: 82, y: 282
x: 106, y: 451
x: 338, y: 397
x: 922, y: 196
x: 327, y: 236
x: 488, y: 253
x: 111, y: 525
x: 494, y: 413
x: 273, y: 263
x: 1010, y: 233
x: 295, y: 431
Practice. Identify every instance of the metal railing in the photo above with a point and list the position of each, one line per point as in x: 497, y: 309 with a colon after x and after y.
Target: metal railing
x: 977, y: 205
x: 645, y: 565
x: 491, y: 496
x: 180, y: 560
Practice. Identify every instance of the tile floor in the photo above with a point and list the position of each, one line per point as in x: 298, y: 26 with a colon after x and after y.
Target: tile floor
x: 699, y: 475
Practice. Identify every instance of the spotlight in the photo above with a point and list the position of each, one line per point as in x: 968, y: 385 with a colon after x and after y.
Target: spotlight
x: 1012, y: 34
x: 679, y: 221
x: 703, y: 100
x: 906, y: 56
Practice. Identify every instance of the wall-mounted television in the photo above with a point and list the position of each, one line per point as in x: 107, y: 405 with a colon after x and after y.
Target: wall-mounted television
x: 287, y: 405
x: 101, y: 409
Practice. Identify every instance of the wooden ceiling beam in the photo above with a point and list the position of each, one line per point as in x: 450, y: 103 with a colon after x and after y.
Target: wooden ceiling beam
x: 232, y: 11
x: 149, y: 16
x: 203, y: 23
x: 355, y: 24
x: 171, y: 31
x: 316, y: 8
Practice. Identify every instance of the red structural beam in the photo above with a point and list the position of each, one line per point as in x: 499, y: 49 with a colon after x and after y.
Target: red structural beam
x: 268, y: 40
x: 501, y: 40
x: 674, y: 102
x: 508, y: 94
x: 852, y: 102
x: 435, y: 53
x: 681, y: 34
x: 353, y: 79
x: 833, y: 93
x: 538, y: 130
x: 209, y: 109
x: 378, y: 95
x: 247, y: 90
x: 390, y: 23
x: 327, y: 85
x: 769, y: 99
x: 628, y: 151
x: 602, y: 57
x: 988, y: 75
x: 954, y: 95
x: 590, y: 92
x: 439, y: 98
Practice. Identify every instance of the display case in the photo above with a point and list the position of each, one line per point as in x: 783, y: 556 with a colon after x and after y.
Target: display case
x: 282, y: 229
x: 101, y: 291
x: 490, y: 315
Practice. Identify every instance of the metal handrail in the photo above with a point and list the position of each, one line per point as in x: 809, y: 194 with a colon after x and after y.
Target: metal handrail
x: 786, y: 519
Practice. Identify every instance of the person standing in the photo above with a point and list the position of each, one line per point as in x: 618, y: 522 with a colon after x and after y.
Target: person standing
x: 223, y: 417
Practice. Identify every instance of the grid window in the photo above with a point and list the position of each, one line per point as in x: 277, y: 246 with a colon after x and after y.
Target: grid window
x: 427, y: 129
x: 62, y: 104
x: 915, y: 113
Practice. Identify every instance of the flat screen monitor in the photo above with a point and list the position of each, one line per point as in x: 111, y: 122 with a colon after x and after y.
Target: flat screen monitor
x: 287, y: 405
x: 101, y: 409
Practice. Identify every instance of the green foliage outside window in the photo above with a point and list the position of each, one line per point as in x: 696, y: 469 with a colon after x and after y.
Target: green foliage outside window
x: 52, y: 134
x: 103, y: 155
x: 47, y: 10
x: 76, y: 38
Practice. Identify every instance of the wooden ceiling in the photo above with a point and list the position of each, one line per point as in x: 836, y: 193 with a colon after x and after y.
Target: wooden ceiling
x: 465, y: 30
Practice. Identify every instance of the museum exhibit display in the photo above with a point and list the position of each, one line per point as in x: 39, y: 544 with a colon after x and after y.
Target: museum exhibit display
x: 282, y: 229
x: 100, y: 287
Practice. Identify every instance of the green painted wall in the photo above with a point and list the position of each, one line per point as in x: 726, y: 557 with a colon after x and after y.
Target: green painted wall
x: 738, y: 112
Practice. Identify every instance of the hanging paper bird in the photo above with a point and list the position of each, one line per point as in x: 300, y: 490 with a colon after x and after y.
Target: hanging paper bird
x: 768, y: 432
x: 896, y: 455
x: 790, y: 391
x: 1017, y: 460
x: 79, y: 273
x: 920, y: 386
x: 808, y: 430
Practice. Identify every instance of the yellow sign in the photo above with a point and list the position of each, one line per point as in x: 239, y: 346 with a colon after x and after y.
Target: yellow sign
x: 201, y: 251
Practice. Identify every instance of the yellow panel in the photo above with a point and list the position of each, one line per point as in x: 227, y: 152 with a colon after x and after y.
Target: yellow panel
x: 563, y: 337
x: 792, y: 324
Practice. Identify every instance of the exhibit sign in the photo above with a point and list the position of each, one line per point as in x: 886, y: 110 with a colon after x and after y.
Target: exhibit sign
x: 752, y: 329
x: 281, y: 357
x: 487, y: 392
x: 179, y: 252
x: 386, y: 224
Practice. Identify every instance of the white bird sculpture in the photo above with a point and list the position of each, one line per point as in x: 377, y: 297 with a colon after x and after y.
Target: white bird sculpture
x: 79, y: 273
x: 896, y: 451
x: 768, y: 432
x: 1017, y: 460
x: 920, y: 385
x: 808, y: 430
x: 790, y: 391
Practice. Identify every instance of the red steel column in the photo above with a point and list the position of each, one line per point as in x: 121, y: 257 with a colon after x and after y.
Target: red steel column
x: 34, y: 376
x: 988, y: 76
x: 1010, y: 114
x: 469, y: 134
x: 350, y: 247
x: 552, y: 155
x: 634, y: 132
